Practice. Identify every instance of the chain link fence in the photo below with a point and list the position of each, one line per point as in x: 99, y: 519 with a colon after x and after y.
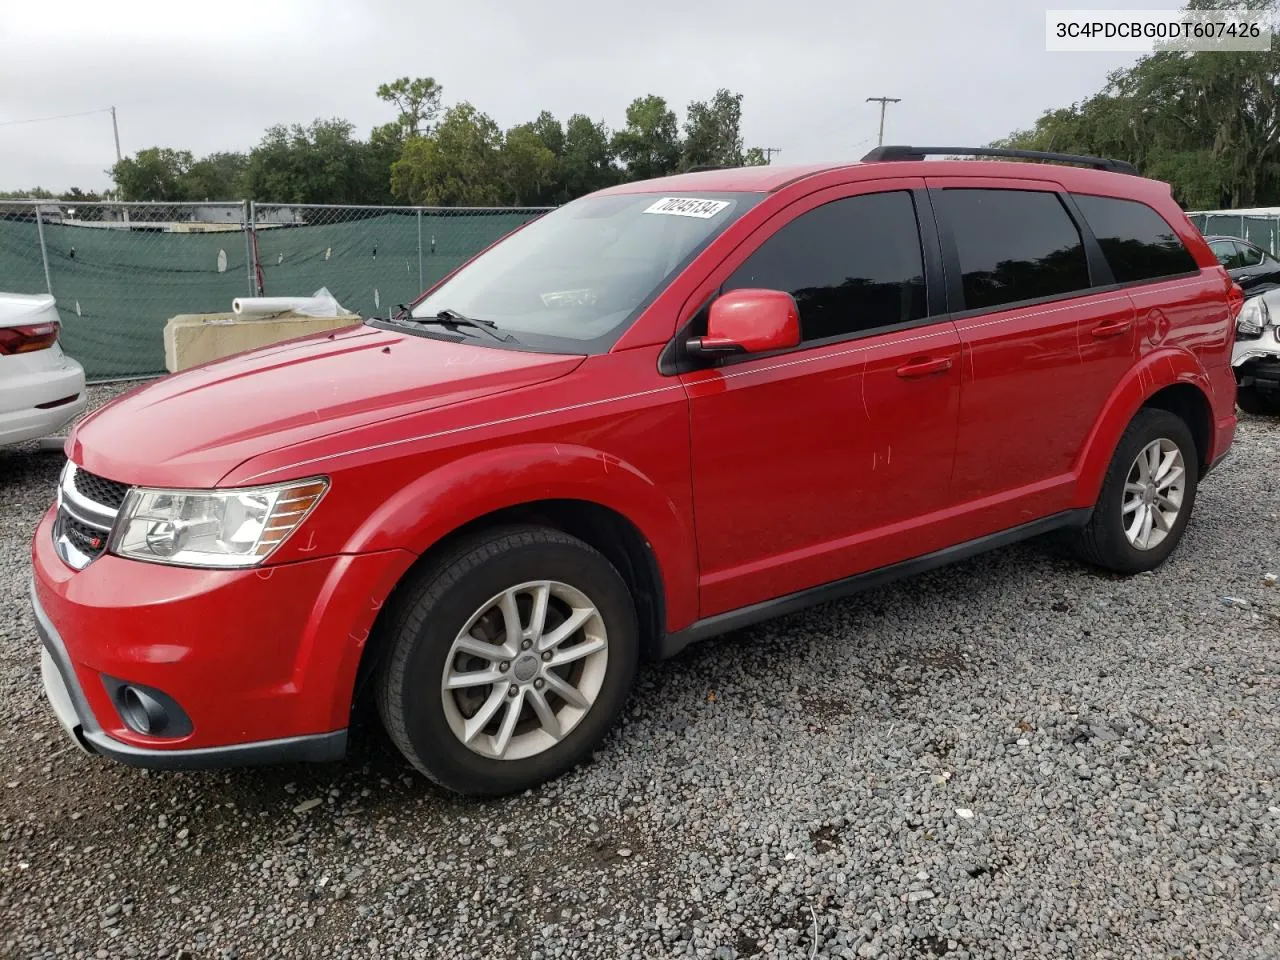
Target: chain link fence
x: 1262, y: 230
x: 371, y: 258
x: 120, y: 270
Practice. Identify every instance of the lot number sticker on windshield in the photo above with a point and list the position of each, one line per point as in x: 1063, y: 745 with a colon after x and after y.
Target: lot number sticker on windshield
x: 688, y: 207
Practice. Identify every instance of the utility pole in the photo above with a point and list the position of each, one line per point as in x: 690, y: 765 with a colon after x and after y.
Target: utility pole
x: 883, y: 101
x: 115, y: 129
x: 769, y: 152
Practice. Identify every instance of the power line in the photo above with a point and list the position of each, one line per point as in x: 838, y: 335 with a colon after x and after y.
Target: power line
x: 769, y: 152
x: 64, y: 116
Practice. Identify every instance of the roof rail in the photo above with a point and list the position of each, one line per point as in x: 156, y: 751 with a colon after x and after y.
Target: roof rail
x: 919, y: 153
x: 703, y: 167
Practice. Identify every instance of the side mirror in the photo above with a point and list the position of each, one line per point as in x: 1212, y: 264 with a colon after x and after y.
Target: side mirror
x: 749, y: 321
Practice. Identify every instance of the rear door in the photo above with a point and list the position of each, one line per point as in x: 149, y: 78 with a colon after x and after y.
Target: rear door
x: 810, y: 464
x: 1041, y: 351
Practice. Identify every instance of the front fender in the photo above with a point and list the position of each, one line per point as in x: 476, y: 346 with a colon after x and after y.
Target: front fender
x: 1156, y: 371
x: 423, y: 512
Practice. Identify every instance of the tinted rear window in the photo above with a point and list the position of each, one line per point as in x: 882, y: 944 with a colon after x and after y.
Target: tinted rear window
x: 1137, y: 242
x: 1014, y: 245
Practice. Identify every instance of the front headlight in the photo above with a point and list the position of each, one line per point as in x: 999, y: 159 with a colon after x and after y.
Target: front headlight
x: 212, y: 528
x: 1254, y: 318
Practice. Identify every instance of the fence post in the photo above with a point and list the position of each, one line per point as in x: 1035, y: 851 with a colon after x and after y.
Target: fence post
x: 44, y: 252
x: 245, y: 215
x: 420, y: 284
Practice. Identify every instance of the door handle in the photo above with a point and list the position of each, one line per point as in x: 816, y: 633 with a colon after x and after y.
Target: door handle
x: 924, y: 367
x: 1112, y: 328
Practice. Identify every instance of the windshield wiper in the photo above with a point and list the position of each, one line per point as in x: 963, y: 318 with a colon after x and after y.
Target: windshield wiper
x: 452, y: 318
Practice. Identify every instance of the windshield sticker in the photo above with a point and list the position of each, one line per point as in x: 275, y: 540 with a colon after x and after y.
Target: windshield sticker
x: 688, y: 207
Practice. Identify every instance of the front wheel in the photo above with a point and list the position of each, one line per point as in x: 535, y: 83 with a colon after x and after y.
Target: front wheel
x: 1146, y: 498
x: 510, y: 658
x: 1251, y: 400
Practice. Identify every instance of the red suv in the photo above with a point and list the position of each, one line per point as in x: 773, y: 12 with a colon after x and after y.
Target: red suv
x: 663, y: 411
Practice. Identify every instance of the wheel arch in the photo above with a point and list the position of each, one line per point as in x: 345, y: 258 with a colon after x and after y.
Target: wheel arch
x: 1172, y: 380
x: 1189, y: 403
x: 604, y: 529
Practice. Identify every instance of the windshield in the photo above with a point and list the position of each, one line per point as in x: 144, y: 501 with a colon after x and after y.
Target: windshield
x: 573, y: 280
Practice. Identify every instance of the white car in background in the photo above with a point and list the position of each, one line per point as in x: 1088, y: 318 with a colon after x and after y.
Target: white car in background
x: 41, y: 388
x: 1256, y: 357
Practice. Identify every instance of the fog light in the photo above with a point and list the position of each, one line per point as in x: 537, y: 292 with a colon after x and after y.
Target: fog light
x: 141, y: 711
x: 147, y: 710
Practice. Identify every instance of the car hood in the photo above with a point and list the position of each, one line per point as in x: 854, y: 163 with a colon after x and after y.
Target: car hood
x: 190, y: 429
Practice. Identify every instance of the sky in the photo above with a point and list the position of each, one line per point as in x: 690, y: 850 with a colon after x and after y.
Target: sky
x: 209, y: 76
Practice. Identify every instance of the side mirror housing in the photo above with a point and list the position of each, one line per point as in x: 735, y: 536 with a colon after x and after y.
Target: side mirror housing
x: 749, y: 321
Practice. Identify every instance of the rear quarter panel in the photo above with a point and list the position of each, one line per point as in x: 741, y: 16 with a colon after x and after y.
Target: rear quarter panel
x: 1184, y: 337
x: 1185, y: 332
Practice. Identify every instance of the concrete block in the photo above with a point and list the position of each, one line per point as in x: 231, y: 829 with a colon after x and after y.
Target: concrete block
x: 191, y: 339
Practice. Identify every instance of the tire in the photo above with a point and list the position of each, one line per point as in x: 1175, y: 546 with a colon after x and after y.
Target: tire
x: 465, y: 588
x: 1250, y: 400
x: 1104, y: 542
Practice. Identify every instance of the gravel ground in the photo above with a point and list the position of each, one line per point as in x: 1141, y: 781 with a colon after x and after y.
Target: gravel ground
x: 1013, y: 757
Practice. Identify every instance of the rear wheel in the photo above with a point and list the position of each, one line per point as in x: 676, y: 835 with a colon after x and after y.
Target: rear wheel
x: 1146, y: 498
x: 509, y: 660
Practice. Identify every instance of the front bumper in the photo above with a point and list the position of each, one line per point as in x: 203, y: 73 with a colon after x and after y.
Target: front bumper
x: 1264, y: 349
x: 262, y: 661
x: 77, y: 719
x: 1260, y: 373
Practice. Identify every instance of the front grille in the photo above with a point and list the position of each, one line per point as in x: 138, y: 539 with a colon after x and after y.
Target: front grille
x: 86, y: 539
x: 99, y: 489
x: 87, y: 510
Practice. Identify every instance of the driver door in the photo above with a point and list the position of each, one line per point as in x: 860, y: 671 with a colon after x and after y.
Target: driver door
x: 829, y: 459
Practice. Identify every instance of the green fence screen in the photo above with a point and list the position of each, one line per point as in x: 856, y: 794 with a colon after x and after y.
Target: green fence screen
x: 118, y: 284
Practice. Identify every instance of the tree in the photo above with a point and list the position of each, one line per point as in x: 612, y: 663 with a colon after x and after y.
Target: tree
x: 712, y: 131
x: 587, y: 163
x: 459, y: 156
x: 418, y: 101
x: 1207, y: 124
x: 549, y: 131
x: 35, y: 193
x: 460, y: 163
x: 155, y: 174
x: 755, y: 157
x: 527, y: 166
x: 321, y: 163
x: 649, y: 145
x: 219, y: 176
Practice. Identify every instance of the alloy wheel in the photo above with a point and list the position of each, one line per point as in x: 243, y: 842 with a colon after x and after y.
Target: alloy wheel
x: 524, y: 670
x: 1153, y: 494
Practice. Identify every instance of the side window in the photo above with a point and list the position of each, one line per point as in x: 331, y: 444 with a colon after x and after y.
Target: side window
x: 852, y: 265
x: 1138, y: 243
x: 1225, y: 251
x: 1013, y: 245
x: 1250, y: 256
